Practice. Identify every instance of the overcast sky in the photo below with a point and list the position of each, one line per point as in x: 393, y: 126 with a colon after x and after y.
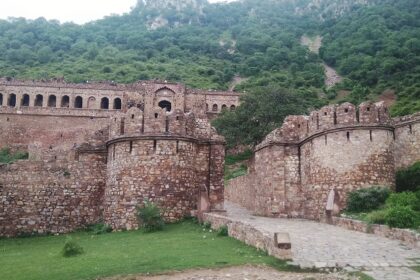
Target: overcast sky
x: 78, y: 11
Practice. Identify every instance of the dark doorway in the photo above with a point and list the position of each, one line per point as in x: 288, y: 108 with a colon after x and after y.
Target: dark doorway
x: 165, y: 105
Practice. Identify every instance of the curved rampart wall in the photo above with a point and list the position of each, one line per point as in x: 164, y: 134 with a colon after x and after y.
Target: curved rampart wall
x: 344, y: 161
x: 407, y: 140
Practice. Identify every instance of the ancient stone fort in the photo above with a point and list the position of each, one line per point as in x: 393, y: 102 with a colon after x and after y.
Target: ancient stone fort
x: 98, y: 150
x: 315, y: 160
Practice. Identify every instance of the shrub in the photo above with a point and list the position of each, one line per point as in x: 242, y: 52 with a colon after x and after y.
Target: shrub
x: 223, y: 231
x: 408, y: 179
x: 207, y: 225
x: 99, y: 228
x: 409, y: 199
x: 71, y: 248
x: 377, y: 217
x: 232, y: 159
x: 365, y: 200
x: 149, y: 217
x: 6, y: 156
x: 401, y: 217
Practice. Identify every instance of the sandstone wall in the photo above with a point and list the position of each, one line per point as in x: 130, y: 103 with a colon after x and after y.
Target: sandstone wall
x: 407, y: 140
x: 344, y: 160
x: 51, y: 197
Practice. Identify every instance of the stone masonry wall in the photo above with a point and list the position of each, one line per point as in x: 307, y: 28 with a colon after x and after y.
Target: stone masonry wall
x: 51, y: 197
x: 337, y: 148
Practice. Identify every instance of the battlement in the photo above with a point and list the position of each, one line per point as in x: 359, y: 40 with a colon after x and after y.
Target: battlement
x: 296, y: 129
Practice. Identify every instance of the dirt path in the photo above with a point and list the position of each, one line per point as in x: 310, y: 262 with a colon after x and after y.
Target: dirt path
x: 239, y: 273
x: 236, y: 81
x: 314, y: 44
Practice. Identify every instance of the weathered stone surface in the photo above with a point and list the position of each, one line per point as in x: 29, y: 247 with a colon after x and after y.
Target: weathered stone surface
x: 98, y: 150
x: 336, y: 149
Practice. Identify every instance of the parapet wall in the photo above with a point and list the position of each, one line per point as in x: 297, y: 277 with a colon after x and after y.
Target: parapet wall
x: 335, y: 150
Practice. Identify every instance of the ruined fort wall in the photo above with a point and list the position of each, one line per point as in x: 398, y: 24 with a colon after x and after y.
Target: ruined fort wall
x: 407, y: 140
x: 344, y: 161
x: 51, y: 197
x: 48, y: 129
x: 162, y: 171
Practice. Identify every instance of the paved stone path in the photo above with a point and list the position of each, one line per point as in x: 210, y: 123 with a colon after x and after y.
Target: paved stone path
x: 326, y: 246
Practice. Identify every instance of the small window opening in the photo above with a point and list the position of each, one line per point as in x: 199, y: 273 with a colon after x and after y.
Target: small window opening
x: 52, y: 101
x: 65, y: 102
x: 348, y: 136
x: 167, y: 125
x: 156, y: 115
x: 335, y: 118
x: 326, y: 139
x: 298, y: 125
x: 113, y: 152
x: 177, y: 146
x: 122, y: 126
x: 165, y: 105
x: 154, y: 145
x: 78, y: 102
x: 12, y: 100
x: 368, y: 109
x: 177, y: 118
x: 215, y: 108
x: 117, y: 104
x: 131, y: 147
x: 132, y: 116
x: 370, y: 135
x: 25, y: 100
x: 104, y: 103
x: 346, y: 110
x: 410, y: 127
x: 325, y: 113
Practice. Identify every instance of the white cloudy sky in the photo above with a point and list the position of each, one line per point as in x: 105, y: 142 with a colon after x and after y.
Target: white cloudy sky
x: 78, y: 11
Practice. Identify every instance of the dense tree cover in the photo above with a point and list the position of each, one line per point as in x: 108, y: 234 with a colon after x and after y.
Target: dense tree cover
x: 378, y: 48
x: 374, y: 46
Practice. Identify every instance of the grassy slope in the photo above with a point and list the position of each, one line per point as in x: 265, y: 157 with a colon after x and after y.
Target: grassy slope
x: 180, y: 246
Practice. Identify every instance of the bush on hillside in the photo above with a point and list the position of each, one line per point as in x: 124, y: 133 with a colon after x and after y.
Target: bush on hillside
x: 401, y: 217
x: 149, y: 217
x: 365, y: 200
x: 99, y: 228
x: 408, y: 179
x: 6, y: 156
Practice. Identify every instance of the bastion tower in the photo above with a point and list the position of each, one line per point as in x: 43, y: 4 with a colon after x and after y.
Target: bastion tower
x: 159, y: 152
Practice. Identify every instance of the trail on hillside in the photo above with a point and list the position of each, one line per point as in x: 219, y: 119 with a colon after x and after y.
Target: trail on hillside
x: 236, y: 81
x: 314, y: 44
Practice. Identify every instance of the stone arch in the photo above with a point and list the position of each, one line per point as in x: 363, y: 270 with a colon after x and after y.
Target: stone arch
x: 52, y: 101
x: 39, y: 100
x: 165, y: 104
x: 12, y: 100
x: 215, y: 108
x: 24, y: 102
x: 65, y: 102
x: 224, y: 107
x: 164, y: 94
x: 117, y: 104
x: 104, y: 103
x: 91, y: 102
x: 78, y: 102
x: 232, y: 107
x: 1, y: 99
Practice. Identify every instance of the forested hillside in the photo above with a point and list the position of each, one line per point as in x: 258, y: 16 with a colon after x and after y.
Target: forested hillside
x: 373, y: 44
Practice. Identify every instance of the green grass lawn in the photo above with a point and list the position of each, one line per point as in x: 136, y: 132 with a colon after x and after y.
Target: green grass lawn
x: 178, y: 247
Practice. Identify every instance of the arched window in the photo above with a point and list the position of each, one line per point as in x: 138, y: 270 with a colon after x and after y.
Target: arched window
x: 165, y: 105
x: 117, y: 104
x: 39, y: 100
x: 215, y: 108
x: 232, y: 108
x: 12, y: 100
x: 91, y: 103
x: 25, y: 100
x: 224, y: 107
x: 78, y: 102
x: 52, y: 101
x: 1, y: 99
x: 104, y: 103
x: 65, y: 101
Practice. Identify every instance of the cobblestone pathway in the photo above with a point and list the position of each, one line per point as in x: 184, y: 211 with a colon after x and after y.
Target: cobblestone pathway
x: 325, y: 246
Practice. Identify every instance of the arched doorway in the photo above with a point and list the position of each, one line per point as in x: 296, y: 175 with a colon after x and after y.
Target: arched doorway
x: 164, y: 104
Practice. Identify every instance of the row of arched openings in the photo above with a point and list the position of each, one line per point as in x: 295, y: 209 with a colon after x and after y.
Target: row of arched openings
x: 215, y: 107
x: 52, y: 101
